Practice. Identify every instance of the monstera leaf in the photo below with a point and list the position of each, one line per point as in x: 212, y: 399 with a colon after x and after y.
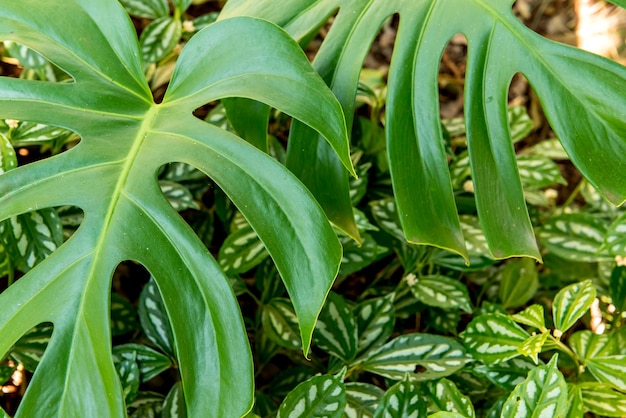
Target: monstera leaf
x: 582, y: 96
x: 111, y: 176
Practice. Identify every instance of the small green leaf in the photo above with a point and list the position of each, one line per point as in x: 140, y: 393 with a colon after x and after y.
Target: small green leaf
x: 153, y: 318
x: 402, y: 400
x: 616, y: 236
x: 538, y: 172
x: 618, y: 288
x: 550, y: 148
x: 280, y: 323
x: 423, y: 356
x: 575, y: 237
x: 30, y: 348
x: 128, y: 372
x: 123, y: 316
x: 610, y: 370
x: 29, y: 238
x: 375, y: 321
x: 519, y: 282
x: 336, y: 329
x: 440, y: 291
x: 362, y: 399
x: 241, y: 251
x: 445, y: 396
x: 150, y: 9
x: 588, y: 345
x: 446, y: 321
x: 8, y: 159
x: 174, y: 404
x: 178, y: 195
x: 386, y: 216
x: 570, y: 304
x: 576, y: 407
x: 320, y: 396
x: 475, y: 240
x: 146, y: 405
x: 542, y: 394
x: 159, y: 38
x: 533, y: 346
x: 602, y: 399
x: 150, y: 361
x: 493, y: 337
x: 520, y: 123
x: 356, y: 256
x: 181, y: 5
x: 506, y: 374
x: 533, y: 316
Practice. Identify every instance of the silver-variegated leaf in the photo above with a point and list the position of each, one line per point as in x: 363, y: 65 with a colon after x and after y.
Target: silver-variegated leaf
x: 362, y: 399
x: 26, y: 56
x: 31, y: 237
x: 336, y: 329
x: 588, y: 345
x: 153, y: 318
x: 178, y: 195
x: 159, y: 38
x: 150, y: 361
x: 610, y: 370
x: 355, y: 256
x: 602, y: 399
x: 506, y: 374
x: 146, y: 405
x: 521, y: 125
x: 538, y: 172
x: 550, y: 148
x: 570, y: 304
x: 386, y: 216
x: 575, y: 237
x: 280, y: 323
x: 174, y: 404
x: 123, y: 316
x: 8, y: 158
x: 5, y: 266
x: 542, y: 394
x: 128, y: 372
x: 320, y: 396
x: 31, y: 133
x: 404, y: 399
x: 30, y: 348
x: 533, y: 316
x: 440, y: 291
x: 241, y: 251
x: 150, y: 9
x: 576, y: 406
x: 616, y: 237
x: 493, y: 338
x: 518, y: 282
x: 443, y: 395
x: 422, y: 356
x: 375, y: 321
x: 475, y: 240
x: 460, y: 170
x: 533, y: 346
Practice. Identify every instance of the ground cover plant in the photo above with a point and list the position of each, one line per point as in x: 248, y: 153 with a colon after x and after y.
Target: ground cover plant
x: 156, y: 264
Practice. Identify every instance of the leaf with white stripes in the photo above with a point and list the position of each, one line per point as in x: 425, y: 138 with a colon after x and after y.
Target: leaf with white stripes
x: 404, y: 399
x: 123, y: 316
x: 440, y: 291
x: 146, y: 405
x: 241, y: 251
x: 375, y: 321
x: 575, y: 237
x: 8, y: 159
x: 386, y: 216
x: 362, y: 399
x: 174, y: 404
x: 336, y: 329
x: 320, y: 396
x: 570, y: 304
x: 518, y: 282
x: 533, y: 346
x: 576, y: 407
x: 31, y: 133
x: 154, y: 319
x: 26, y: 56
x: 29, y: 349
x: 5, y: 267
x: 603, y: 400
x: 29, y: 238
x: 533, y: 316
x: 616, y: 237
x: 150, y: 361
x: 475, y: 240
x: 128, y: 372
x: 542, y: 394
x: 550, y: 148
x: 493, y: 337
x: 159, y: 38
x: 280, y: 323
x: 423, y: 356
x: 610, y: 370
x: 588, y: 345
x: 178, y: 195
x: 443, y: 395
x: 355, y: 256
x: 150, y: 9
x: 538, y: 172
x: 506, y: 374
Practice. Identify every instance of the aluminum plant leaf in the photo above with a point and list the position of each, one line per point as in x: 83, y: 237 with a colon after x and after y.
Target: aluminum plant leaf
x: 111, y: 176
x: 568, y: 82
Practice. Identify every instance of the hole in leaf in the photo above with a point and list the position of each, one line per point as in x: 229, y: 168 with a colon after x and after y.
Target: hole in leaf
x: 17, y: 60
x: 420, y: 369
x: 451, y: 78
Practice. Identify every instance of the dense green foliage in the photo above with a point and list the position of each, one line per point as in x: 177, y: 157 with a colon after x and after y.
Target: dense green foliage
x: 202, y: 249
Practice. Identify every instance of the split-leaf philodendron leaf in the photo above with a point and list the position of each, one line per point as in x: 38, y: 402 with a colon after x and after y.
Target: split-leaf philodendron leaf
x: 573, y: 86
x: 111, y: 176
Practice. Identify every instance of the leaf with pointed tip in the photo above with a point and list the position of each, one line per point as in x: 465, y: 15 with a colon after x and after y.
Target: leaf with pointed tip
x: 154, y: 319
x: 280, y: 323
x: 532, y: 316
x: 336, y: 329
x: 177, y: 195
x: 150, y: 361
x: 441, y: 291
x: 375, y: 320
x: 241, y: 251
x: 576, y: 237
x: 493, y: 338
x: 174, y: 404
x: 610, y: 370
x: 506, y: 374
x: 602, y: 399
x: 422, y: 356
x: 110, y: 175
x: 150, y: 9
x: 533, y: 346
x: 588, y: 345
x: 29, y: 349
x: 320, y: 396
x: 542, y: 394
x: 128, y: 372
x: 571, y: 303
x: 519, y: 282
x: 404, y: 399
x: 443, y: 395
x: 576, y: 407
x: 362, y: 399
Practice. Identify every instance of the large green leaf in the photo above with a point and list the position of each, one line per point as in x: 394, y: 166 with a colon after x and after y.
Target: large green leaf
x: 110, y: 175
x: 567, y: 80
